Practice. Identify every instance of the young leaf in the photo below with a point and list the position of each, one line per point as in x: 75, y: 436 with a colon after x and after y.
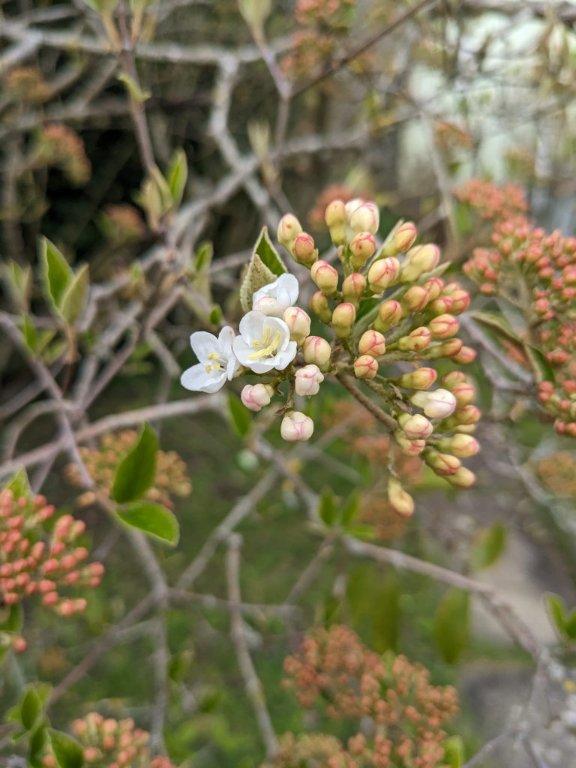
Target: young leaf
x: 203, y: 256
x: 11, y: 618
x: 454, y: 752
x: 386, y: 615
x: 487, y: 546
x: 30, y: 333
x: 452, y: 624
x: 57, y: 273
x: 19, y: 485
x: 74, y: 298
x: 30, y: 709
x: 256, y: 276
x: 136, y: 472
x: 350, y: 509
x: 177, y: 176
x: 268, y: 253
x: 239, y: 415
x: 327, y: 510
x: 557, y: 612
x: 67, y: 751
x: 18, y: 281
x: 152, y: 519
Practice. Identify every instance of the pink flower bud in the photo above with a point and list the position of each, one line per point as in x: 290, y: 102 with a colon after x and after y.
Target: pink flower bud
x: 303, y: 249
x: 399, y: 499
x: 421, y: 378
x: 288, y: 228
x: 459, y: 298
x: 296, y: 426
x: 365, y: 367
x: 383, y: 273
x: 434, y: 286
x: 317, y: 351
x: 443, y: 327
x: 438, y: 404
x: 353, y: 287
x: 468, y: 414
x: 335, y: 214
x: 415, y: 298
x: 416, y: 427
x: 325, y: 277
x: 464, y: 392
x: 364, y: 217
x: 298, y: 323
x: 441, y: 305
x: 372, y: 343
x: 460, y: 445
x: 307, y: 380
x: 389, y: 315
x: 462, y: 478
x: 448, y: 348
x: 256, y: 396
x: 443, y: 463
x: 407, y: 446
x: 362, y: 247
x: 343, y: 319
x: 465, y: 356
x: 320, y: 306
x: 416, y: 341
x: 454, y: 377
x: 419, y: 260
x: 404, y: 236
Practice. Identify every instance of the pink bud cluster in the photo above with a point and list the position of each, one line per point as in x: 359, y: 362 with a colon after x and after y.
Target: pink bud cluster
x: 492, y: 202
x: 536, y: 271
x: 113, y: 743
x: 32, y: 563
x: 171, y: 477
x: 333, y: 668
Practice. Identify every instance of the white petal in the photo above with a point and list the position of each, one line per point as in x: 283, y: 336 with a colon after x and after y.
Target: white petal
x: 197, y: 379
x: 225, y: 339
x: 242, y: 350
x: 204, y: 344
x: 251, y: 325
x: 289, y: 283
x: 284, y: 358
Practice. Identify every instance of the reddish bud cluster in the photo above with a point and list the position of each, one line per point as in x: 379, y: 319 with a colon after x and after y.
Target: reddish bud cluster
x: 113, y: 743
x: 408, y: 713
x: 493, y: 202
x: 31, y: 564
x: 171, y: 477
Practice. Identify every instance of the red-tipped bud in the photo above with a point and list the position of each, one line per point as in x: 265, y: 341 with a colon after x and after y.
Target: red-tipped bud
x: 462, y: 478
x: 372, y: 343
x: 421, y: 378
x: 303, y: 249
x: 415, y: 298
x: 444, y: 327
x: 404, y: 236
x: 320, y: 306
x: 440, y: 306
x: 363, y: 217
x: 460, y: 299
x: 353, y: 287
x: 318, y: 351
x: 256, y: 396
x: 325, y: 277
x: 460, y: 445
x: 448, y: 348
x: 288, y: 228
x: 465, y: 356
x: 419, y: 260
x: 442, y: 463
x: 407, y: 446
x: 454, y: 377
x: 383, y: 273
x: 298, y: 323
x: 365, y: 367
x: 389, y: 315
x: 343, y: 319
x: 416, y: 341
x: 362, y: 247
x: 416, y: 427
x: 307, y: 380
x: 464, y: 392
x: 399, y: 499
x: 468, y: 414
x: 434, y: 287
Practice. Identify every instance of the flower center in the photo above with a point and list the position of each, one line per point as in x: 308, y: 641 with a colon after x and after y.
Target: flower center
x: 217, y: 364
x: 267, y: 346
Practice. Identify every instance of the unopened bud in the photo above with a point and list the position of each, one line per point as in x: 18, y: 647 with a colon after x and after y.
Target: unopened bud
x: 465, y: 356
x: 468, y: 414
x: 443, y: 327
x: 320, y: 306
x: 288, y: 228
x: 364, y: 217
x: 464, y: 392
x: 434, y: 286
x: 353, y: 287
x: 365, y: 367
x: 362, y: 247
x: 454, y: 377
x: 404, y: 236
x: 343, y: 319
x: 303, y: 249
x: 448, y: 348
x: 462, y: 478
x: 325, y: 277
x: 460, y: 299
x: 298, y: 323
x: 443, y: 464
x: 389, y: 315
x: 415, y: 298
x: 416, y: 341
x: 307, y: 380
x: 421, y: 378
x: 383, y: 273
x: 419, y: 260
x: 438, y: 404
x: 335, y: 218
x: 372, y: 343
x: 441, y: 305
x: 256, y: 396
x: 407, y: 446
x: 416, y: 427
x: 318, y: 351
x: 460, y: 445
x: 296, y: 426
x: 399, y: 499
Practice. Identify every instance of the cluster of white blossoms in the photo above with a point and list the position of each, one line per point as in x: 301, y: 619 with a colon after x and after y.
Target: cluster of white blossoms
x: 268, y: 339
x: 387, y: 313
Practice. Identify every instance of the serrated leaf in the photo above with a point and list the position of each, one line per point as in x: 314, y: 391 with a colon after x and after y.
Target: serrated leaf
x: 152, y: 519
x: 136, y: 472
x: 67, y: 751
x: 327, y: 509
x: 177, y: 176
x: 19, y: 485
x: 239, y: 415
x: 454, y: 752
x: 30, y: 709
x: 57, y: 273
x: 256, y: 276
x: 557, y: 612
x: 268, y: 253
x: 452, y: 624
x: 487, y: 546
x: 74, y: 298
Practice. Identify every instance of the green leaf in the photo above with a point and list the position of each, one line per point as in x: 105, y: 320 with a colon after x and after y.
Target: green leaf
x: 541, y: 368
x: 497, y: 323
x: 74, y: 298
x: 452, y: 624
x: 570, y: 626
x: 37, y: 745
x: 19, y: 485
x: 350, y: 509
x: 30, y: 709
x: 18, y: 281
x: 177, y: 176
x: 327, y: 510
x: 557, y: 612
x: 268, y: 253
x: 216, y: 315
x: 152, y: 519
x: 11, y: 618
x: 56, y: 272
x: 386, y: 615
x: 240, y: 416
x: 454, y: 752
x: 137, y: 470
x: 256, y: 276
x: 487, y: 546
x: 135, y: 91
x: 67, y: 751
x: 203, y: 256
x: 29, y: 333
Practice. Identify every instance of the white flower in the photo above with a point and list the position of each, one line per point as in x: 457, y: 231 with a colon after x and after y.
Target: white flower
x: 264, y: 343
x: 296, y: 426
x: 216, y: 361
x: 307, y: 380
x: 275, y: 298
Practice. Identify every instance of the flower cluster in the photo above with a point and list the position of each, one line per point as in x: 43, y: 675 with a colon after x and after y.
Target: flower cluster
x: 60, y: 146
x: 558, y: 473
x: 400, y: 715
x: 536, y: 273
x: 492, y: 202
x: 47, y: 565
x: 110, y: 743
x: 386, y: 311
x: 171, y: 478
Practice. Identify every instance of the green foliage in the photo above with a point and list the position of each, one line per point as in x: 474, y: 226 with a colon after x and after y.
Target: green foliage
x: 135, y: 473
x: 563, y: 621
x: 74, y: 297
x: 177, y: 176
x: 18, y: 281
x: 264, y: 267
x: 19, y: 485
x: 154, y: 520
x: 67, y: 751
x: 488, y: 546
x: 454, y: 752
x: 56, y: 272
x: 240, y: 417
x: 452, y: 624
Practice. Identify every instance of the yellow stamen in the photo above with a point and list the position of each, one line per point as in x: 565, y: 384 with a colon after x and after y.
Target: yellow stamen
x: 266, y: 347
